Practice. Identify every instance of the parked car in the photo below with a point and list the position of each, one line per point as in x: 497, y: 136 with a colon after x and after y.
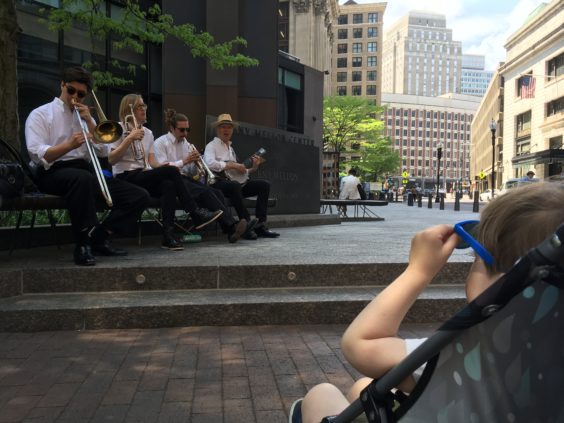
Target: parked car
x: 513, y: 183
x: 486, y: 195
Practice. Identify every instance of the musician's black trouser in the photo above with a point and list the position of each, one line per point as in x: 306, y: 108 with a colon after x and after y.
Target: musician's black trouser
x: 236, y: 192
x: 76, y: 182
x: 210, y: 198
x: 165, y: 183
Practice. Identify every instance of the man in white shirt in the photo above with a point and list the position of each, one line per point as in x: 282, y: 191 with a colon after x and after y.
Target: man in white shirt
x: 221, y: 159
x: 349, y: 189
x: 56, y: 145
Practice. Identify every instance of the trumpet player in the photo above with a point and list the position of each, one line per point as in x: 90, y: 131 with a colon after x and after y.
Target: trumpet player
x: 162, y: 182
x: 174, y: 150
x: 55, y: 141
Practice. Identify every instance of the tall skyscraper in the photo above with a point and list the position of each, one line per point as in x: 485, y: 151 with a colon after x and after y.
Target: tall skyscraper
x: 420, y: 56
x: 357, y: 50
x: 474, y: 80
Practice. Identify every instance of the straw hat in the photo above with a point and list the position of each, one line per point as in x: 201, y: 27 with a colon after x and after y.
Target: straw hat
x: 224, y: 118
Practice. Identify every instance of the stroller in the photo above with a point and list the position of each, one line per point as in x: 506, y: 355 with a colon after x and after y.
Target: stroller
x: 499, y: 359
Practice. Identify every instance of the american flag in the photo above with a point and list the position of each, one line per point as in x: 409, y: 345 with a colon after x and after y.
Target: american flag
x: 527, y: 87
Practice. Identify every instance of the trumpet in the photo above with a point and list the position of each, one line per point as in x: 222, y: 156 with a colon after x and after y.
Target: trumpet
x: 105, y: 132
x: 137, y: 145
x: 203, y: 169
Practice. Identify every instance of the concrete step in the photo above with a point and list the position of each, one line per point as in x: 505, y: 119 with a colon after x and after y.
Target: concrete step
x: 173, y: 276
x: 203, y: 307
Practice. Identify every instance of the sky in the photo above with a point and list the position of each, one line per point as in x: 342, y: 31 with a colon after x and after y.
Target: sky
x: 483, y: 26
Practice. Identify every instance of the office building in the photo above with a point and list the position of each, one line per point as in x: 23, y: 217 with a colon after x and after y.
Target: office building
x: 420, y: 57
x: 357, y: 50
x: 474, y: 79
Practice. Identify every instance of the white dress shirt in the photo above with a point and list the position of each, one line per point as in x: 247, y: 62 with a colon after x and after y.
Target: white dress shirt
x: 168, y: 149
x: 217, y: 154
x: 53, y: 124
x: 127, y: 162
x: 349, y: 188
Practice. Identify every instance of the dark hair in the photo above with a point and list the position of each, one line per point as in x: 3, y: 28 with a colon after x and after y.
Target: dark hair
x: 78, y: 74
x: 352, y: 172
x: 172, y: 118
x: 515, y: 222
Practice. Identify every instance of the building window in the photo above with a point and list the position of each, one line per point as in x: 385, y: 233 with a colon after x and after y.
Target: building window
x: 357, y: 33
x: 372, y: 47
x: 373, y: 18
x: 555, y: 107
x: 341, y: 48
x: 342, y: 62
x: 341, y: 90
x: 343, y: 19
x: 372, y: 32
x: 357, y: 90
x: 357, y: 48
x: 342, y: 34
x: 356, y: 62
x: 523, y: 124
x: 371, y: 90
x: 371, y: 61
x: 371, y: 76
x: 341, y: 77
x: 357, y: 76
x: 357, y: 18
x: 526, y: 86
x: 555, y: 67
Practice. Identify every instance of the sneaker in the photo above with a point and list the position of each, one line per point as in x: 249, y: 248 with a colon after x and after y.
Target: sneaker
x: 170, y: 242
x: 236, y: 230
x: 203, y: 217
x: 296, y: 412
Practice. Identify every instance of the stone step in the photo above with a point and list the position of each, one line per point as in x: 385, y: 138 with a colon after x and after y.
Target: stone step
x: 177, y: 277
x: 267, y: 306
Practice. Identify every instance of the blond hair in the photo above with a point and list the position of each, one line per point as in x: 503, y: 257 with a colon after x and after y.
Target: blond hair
x: 124, y: 108
x: 515, y: 222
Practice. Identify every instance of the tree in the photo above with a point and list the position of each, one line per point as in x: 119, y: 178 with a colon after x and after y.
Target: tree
x: 132, y: 30
x: 352, y: 124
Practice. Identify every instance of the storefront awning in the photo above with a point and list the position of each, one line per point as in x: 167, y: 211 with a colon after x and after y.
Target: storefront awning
x: 539, y: 157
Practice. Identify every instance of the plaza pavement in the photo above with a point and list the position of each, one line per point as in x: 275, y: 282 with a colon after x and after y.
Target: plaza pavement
x: 202, y: 374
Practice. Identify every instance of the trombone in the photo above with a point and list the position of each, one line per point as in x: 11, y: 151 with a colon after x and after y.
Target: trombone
x: 137, y: 145
x: 105, y: 132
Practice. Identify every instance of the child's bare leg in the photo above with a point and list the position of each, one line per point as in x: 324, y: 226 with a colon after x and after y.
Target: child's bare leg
x: 321, y: 401
x: 357, y: 388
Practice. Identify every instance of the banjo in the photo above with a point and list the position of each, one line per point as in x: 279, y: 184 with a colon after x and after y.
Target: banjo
x: 242, y: 178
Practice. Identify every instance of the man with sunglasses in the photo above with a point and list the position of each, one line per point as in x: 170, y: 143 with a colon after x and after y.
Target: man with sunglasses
x: 174, y: 150
x: 56, y: 146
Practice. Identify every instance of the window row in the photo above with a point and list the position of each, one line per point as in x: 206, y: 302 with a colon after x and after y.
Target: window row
x: 358, y: 18
x: 428, y: 114
x: 371, y: 47
x: 371, y: 62
x: 356, y: 76
x: 436, y: 134
x: 357, y: 90
x: 414, y: 124
x: 371, y: 32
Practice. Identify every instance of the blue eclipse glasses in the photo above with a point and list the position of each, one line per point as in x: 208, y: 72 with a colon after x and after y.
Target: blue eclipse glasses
x: 466, y: 230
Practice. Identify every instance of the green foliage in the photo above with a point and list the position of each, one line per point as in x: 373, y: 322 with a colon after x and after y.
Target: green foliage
x: 377, y: 158
x: 133, y: 28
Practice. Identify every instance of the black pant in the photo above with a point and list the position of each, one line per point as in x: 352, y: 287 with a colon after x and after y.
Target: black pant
x: 236, y: 192
x: 165, y: 183
x: 210, y: 198
x: 76, y: 182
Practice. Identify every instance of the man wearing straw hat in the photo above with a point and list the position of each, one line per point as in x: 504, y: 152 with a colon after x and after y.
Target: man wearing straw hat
x: 233, y: 177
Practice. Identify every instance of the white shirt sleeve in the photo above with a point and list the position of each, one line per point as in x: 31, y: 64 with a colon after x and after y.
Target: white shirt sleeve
x: 212, y: 157
x: 36, y: 128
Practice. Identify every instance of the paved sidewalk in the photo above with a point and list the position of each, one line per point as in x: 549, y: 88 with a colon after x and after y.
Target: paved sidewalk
x: 199, y: 374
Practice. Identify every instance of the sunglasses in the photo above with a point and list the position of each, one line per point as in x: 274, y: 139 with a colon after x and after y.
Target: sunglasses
x: 466, y: 230
x: 141, y: 107
x: 184, y: 129
x: 72, y: 91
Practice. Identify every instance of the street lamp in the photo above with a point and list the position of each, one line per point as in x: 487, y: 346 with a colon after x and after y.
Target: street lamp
x: 493, y: 127
x: 439, y: 155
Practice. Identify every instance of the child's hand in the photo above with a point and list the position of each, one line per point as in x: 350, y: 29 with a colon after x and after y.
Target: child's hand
x: 430, y: 250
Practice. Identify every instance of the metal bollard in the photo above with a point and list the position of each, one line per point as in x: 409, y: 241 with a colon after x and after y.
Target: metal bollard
x: 419, y: 200
x: 410, y: 199
x: 476, y: 205
x: 396, y: 196
x: 430, y: 202
x: 457, y: 201
x: 442, y: 200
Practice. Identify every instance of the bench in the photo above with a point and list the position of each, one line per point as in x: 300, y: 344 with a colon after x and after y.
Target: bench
x: 359, y: 206
x: 35, y: 202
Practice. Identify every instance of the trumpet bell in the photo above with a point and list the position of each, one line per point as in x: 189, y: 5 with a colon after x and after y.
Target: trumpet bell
x: 108, y: 132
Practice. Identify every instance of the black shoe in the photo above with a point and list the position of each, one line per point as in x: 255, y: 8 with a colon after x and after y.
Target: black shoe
x: 262, y: 231
x: 250, y: 233
x: 296, y: 412
x: 203, y: 217
x: 170, y: 242
x: 106, y: 249
x: 83, y: 256
x: 237, y: 230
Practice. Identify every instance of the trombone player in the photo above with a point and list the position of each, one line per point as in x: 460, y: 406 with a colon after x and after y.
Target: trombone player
x: 56, y: 134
